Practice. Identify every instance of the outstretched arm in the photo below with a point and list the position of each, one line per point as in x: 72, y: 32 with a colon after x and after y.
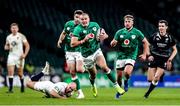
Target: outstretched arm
x: 61, y: 38
x: 113, y: 43
x: 146, y: 50
x: 102, y: 35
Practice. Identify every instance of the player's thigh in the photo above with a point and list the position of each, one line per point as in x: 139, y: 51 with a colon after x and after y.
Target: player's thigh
x: 79, y: 63
x: 129, y: 65
x: 101, y: 62
x: 128, y: 69
x: 20, y: 63
x: 151, y: 73
x: 159, y: 73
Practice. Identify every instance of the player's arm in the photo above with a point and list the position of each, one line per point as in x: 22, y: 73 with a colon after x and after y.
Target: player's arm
x: 146, y: 50
x: 173, y: 54
x: 113, y: 43
x: 54, y: 94
x: 7, y: 46
x: 61, y: 38
x: 102, y: 35
x: 75, y: 42
x: 115, y: 39
x: 26, y: 50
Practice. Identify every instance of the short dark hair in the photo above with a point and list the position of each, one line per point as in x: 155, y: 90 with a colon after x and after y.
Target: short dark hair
x: 163, y: 21
x: 129, y: 16
x: 14, y: 24
x: 79, y: 12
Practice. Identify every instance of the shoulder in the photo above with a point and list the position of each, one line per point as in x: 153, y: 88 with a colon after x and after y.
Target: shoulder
x: 21, y: 35
x: 9, y: 36
x: 69, y: 22
x: 94, y: 23
x: 136, y: 30
x: 120, y: 30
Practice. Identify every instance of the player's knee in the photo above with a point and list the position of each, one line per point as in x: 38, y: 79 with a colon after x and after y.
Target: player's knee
x: 81, y: 70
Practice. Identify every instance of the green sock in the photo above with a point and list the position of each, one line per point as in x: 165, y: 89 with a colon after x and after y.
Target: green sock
x: 77, y: 83
x: 111, y: 76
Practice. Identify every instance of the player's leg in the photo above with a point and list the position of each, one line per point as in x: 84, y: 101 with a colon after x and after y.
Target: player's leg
x: 11, y: 69
x: 20, y: 67
x: 127, y: 73
x: 129, y: 64
x: 92, y: 77
x: 79, y: 63
x: 154, y: 83
x: 100, y: 60
x: 71, y: 64
x: 45, y: 71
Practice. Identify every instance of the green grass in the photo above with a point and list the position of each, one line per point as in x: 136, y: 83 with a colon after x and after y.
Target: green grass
x: 160, y: 96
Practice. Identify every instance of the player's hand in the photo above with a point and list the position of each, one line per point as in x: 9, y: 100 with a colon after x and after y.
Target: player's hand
x: 169, y: 64
x: 113, y: 43
x: 91, y: 35
x: 22, y: 56
x: 102, y: 34
x: 142, y: 57
x: 150, y: 58
x: 59, y: 43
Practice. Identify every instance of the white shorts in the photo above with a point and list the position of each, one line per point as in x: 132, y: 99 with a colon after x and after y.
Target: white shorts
x: 90, y: 61
x: 15, y: 60
x: 44, y: 86
x: 73, y: 56
x: 124, y: 62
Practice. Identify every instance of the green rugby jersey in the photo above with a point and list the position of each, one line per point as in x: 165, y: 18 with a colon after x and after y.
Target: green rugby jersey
x: 90, y: 46
x: 69, y: 28
x: 128, y: 43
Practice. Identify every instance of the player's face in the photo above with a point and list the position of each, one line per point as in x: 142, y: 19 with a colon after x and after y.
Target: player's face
x: 162, y: 27
x: 14, y: 29
x: 71, y: 87
x: 77, y: 18
x: 128, y: 23
x: 85, y: 20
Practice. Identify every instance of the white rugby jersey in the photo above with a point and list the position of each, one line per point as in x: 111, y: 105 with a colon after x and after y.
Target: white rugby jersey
x: 16, y: 42
x: 60, y: 87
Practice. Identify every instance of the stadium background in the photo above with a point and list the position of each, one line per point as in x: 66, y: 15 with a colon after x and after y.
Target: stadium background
x: 43, y: 20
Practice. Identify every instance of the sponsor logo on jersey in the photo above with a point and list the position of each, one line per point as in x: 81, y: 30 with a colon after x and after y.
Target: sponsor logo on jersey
x: 166, y: 40
x: 133, y: 36
x: 84, y: 31
x: 94, y: 29
x: 121, y: 36
x: 68, y: 28
x: 126, y: 41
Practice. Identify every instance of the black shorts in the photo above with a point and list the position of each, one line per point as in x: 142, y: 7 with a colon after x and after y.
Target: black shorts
x: 158, y: 61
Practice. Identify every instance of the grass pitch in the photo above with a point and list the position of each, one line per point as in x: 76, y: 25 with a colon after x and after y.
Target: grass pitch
x: 160, y: 96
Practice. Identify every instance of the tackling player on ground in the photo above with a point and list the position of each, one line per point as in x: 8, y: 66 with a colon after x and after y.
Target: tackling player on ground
x: 54, y: 90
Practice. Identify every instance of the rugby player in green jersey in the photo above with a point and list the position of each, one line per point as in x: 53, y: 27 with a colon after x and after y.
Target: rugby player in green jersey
x: 87, y: 36
x: 74, y: 58
x: 128, y: 39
